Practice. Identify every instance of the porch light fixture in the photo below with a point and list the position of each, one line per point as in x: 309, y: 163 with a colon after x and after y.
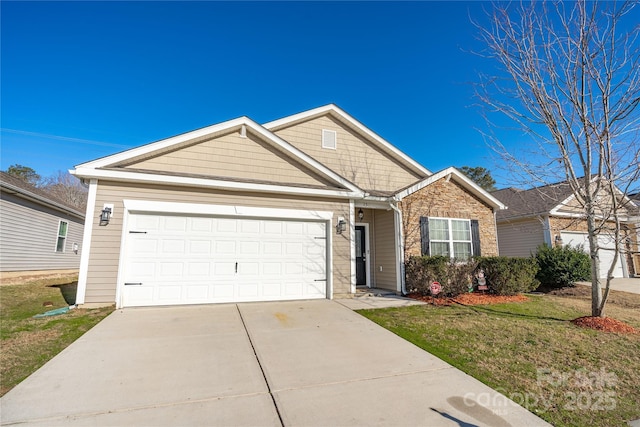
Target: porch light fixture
x: 558, y: 240
x: 341, y: 225
x: 105, y: 216
x: 360, y: 214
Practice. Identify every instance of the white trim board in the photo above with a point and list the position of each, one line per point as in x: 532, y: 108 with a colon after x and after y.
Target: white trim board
x: 460, y: 178
x: 128, y: 176
x: 137, y: 206
x: 242, y: 123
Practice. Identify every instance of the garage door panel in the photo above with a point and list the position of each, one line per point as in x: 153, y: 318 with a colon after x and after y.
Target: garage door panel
x: 607, y: 250
x: 183, y: 260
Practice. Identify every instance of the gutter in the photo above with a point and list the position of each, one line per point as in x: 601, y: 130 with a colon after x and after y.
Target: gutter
x: 25, y: 194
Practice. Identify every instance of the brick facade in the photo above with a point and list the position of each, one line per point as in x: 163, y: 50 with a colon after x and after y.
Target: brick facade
x: 446, y: 199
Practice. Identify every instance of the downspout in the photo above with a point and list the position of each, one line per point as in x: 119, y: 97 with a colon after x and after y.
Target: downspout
x: 399, y: 244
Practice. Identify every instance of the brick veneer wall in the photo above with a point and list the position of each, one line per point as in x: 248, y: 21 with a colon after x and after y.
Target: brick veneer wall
x: 447, y: 200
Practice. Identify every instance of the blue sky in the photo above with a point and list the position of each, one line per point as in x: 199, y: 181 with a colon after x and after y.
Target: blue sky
x: 81, y: 80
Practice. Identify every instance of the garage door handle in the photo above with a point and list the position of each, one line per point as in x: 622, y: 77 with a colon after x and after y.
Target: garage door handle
x: 137, y: 232
x: 320, y: 280
x: 133, y: 284
x: 236, y: 267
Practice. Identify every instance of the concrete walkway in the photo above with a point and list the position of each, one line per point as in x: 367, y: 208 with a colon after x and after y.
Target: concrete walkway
x: 303, y: 363
x: 631, y: 285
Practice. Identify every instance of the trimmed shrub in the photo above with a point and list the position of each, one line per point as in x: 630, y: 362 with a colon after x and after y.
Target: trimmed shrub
x: 454, y: 276
x: 509, y: 276
x: 562, y: 266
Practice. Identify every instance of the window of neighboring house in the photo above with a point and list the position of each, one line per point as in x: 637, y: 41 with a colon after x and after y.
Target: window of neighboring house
x: 329, y: 139
x: 62, y: 236
x: 451, y: 237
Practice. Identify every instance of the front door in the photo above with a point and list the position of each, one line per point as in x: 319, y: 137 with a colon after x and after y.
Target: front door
x: 361, y: 256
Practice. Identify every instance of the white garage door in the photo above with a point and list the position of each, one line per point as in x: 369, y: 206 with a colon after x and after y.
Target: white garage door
x: 194, y: 260
x: 606, y: 251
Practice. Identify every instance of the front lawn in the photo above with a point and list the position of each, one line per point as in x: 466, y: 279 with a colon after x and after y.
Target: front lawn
x: 28, y: 343
x: 529, y: 351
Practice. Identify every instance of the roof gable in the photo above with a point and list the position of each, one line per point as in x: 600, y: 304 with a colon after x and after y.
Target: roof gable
x: 553, y: 199
x: 460, y: 178
x: 357, y: 143
x: 150, y: 163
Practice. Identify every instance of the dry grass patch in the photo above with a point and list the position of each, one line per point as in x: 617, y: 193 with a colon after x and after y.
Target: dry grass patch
x: 531, y: 352
x: 28, y: 343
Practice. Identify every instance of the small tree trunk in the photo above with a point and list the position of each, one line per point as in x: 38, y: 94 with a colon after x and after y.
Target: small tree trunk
x: 596, y: 286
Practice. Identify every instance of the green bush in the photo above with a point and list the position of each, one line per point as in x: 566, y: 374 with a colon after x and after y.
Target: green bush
x: 509, y: 276
x: 562, y: 266
x: 454, y: 276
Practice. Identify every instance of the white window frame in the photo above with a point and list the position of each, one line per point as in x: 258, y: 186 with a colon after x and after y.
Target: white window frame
x: 451, y: 241
x: 335, y: 139
x: 58, y: 237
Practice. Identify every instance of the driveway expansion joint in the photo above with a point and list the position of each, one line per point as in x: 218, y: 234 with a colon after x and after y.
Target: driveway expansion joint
x: 264, y: 375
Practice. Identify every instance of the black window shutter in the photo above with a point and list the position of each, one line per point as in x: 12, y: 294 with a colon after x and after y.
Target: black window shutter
x: 424, y: 235
x: 475, y: 237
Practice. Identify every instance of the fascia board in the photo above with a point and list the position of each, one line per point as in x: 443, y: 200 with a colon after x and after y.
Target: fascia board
x: 162, y: 144
x: 562, y: 204
x: 314, y: 164
x: 165, y: 143
x: 461, y: 178
x: 24, y: 194
x: 353, y: 122
x: 127, y: 176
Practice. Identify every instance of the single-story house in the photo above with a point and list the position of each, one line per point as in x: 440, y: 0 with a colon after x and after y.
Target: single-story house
x: 307, y: 206
x: 551, y: 215
x: 39, y: 232
x: 634, y: 247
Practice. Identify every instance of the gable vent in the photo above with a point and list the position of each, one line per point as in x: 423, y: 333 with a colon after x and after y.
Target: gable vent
x: 329, y: 139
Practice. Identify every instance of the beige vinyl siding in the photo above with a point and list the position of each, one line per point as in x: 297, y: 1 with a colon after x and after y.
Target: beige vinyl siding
x: 232, y: 156
x: 29, y: 235
x: 354, y: 158
x: 520, y: 238
x: 106, y: 240
x: 385, y: 252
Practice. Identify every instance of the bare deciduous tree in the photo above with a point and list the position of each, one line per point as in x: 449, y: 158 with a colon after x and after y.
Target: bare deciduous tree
x: 66, y: 188
x: 569, y: 78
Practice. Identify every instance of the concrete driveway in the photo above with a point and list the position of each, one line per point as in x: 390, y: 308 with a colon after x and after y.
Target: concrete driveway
x: 291, y: 363
x: 631, y: 285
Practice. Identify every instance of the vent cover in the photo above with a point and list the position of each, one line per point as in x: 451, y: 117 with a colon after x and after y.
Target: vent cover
x: 329, y: 139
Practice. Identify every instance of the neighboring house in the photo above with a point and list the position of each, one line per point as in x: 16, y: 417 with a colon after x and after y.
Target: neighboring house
x: 308, y: 206
x: 37, y: 231
x: 551, y: 215
x: 634, y: 247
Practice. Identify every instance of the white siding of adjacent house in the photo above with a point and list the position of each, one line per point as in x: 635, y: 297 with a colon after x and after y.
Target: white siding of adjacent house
x: 520, y: 238
x: 29, y: 233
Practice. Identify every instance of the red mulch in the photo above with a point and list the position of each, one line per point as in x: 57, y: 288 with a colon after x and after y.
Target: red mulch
x: 470, y: 299
x: 606, y: 324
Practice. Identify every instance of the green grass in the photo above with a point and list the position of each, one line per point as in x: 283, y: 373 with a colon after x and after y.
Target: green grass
x: 28, y: 343
x: 531, y: 352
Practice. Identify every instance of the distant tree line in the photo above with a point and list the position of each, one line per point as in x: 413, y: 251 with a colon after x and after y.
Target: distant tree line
x: 62, y: 185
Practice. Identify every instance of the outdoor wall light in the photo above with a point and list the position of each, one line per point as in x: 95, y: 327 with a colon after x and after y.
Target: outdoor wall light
x: 360, y: 214
x: 558, y: 240
x: 105, y: 216
x: 341, y: 225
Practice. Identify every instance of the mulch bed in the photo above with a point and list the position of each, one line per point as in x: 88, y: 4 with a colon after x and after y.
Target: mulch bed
x: 474, y: 298
x: 605, y: 324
